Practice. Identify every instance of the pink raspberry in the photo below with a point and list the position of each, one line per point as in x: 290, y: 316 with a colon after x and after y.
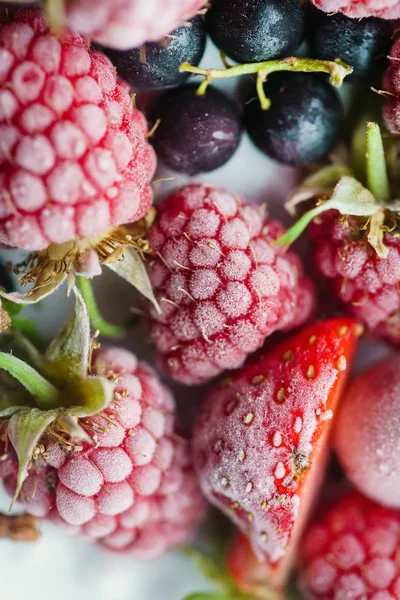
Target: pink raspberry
x: 126, y: 24
x: 385, y: 9
x: 74, y: 159
x: 132, y: 489
x: 352, y: 553
x: 367, y: 284
x: 391, y: 84
x: 222, y: 285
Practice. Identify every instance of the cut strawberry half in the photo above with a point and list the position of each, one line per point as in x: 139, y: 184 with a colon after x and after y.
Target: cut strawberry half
x: 261, y: 439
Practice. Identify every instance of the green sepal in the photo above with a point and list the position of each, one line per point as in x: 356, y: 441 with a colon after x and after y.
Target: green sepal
x: 46, y: 284
x: 68, y: 355
x: 349, y: 197
x: 90, y: 397
x: 25, y: 428
x: 133, y: 270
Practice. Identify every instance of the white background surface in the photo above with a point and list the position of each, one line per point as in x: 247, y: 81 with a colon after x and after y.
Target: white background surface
x: 58, y: 567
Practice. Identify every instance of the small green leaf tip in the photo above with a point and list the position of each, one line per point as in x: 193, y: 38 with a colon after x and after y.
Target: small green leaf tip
x: 377, y: 176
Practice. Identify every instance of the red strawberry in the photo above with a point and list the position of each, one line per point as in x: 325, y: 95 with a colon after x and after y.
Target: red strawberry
x: 261, y: 439
x: 352, y: 553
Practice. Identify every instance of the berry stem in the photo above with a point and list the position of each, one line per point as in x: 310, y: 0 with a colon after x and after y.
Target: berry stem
x: 44, y: 392
x: 377, y: 177
x: 97, y: 320
x: 337, y: 70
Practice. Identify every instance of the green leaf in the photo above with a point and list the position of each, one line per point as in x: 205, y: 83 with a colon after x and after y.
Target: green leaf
x: 350, y: 197
x: 133, y: 270
x: 67, y: 357
x: 45, y: 394
x: 25, y: 428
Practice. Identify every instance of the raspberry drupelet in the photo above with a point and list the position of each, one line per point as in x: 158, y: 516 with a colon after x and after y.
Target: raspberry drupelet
x: 132, y: 488
x: 356, y: 9
x: 125, y: 24
x: 391, y: 85
x: 222, y: 285
x: 74, y: 159
x: 352, y: 552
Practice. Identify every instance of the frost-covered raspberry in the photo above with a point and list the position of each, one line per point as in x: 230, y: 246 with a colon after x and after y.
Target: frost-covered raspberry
x: 352, y: 553
x: 131, y: 489
x: 126, y: 24
x: 367, y: 284
x: 385, y: 9
x: 222, y: 285
x: 74, y: 159
x: 391, y: 84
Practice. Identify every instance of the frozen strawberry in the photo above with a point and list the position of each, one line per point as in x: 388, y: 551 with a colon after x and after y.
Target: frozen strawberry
x: 261, y: 439
x: 366, y: 432
x: 222, y: 284
x: 385, y: 9
x: 352, y: 552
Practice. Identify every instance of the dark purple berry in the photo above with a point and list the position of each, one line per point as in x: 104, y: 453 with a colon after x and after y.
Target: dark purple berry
x: 303, y: 122
x: 362, y: 43
x: 155, y: 65
x: 196, y: 133
x: 256, y: 30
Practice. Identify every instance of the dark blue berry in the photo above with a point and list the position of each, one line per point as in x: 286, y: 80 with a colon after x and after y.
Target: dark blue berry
x: 362, y: 43
x: 303, y: 122
x: 154, y: 66
x: 196, y: 133
x: 256, y: 30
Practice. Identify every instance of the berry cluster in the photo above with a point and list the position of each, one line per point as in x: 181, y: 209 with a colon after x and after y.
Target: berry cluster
x: 90, y: 438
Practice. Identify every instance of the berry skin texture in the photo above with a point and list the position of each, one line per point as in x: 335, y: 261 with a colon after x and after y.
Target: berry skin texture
x: 384, y: 9
x: 369, y: 452
x: 196, y: 133
x: 303, y: 123
x: 125, y: 24
x: 155, y: 65
x: 366, y: 284
x: 256, y: 30
x: 352, y: 552
x: 133, y: 489
x: 391, y: 84
x: 261, y: 440
x: 361, y: 43
x: 221, y: 284
x: 74, y: 159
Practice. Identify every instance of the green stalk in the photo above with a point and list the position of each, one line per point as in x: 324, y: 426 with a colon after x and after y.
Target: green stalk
x: 44, y: 392
x: 97, y: 320
x: 377, y: 177
x: 337, y: 70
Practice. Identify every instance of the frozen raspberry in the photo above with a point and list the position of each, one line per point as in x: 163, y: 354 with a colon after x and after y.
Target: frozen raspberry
x: 385, y: 9
x: 124, y: 24
x: 367, y: 284
x: 352, y: 553
x: 74, y: 159
x: 369, y: 452
x: 132, y: 489
x: 391, y: 84
x: 221, y: 284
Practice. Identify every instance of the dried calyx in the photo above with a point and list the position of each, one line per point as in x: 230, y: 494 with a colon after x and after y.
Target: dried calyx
x: 337, y: 71
x: 336, y: 188
x: 122, y: 249
x: 48, y: 394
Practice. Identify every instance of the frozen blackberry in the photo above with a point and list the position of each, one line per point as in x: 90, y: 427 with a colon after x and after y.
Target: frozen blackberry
x: 303, y: 122
x: 256, y: 30
x: 361, y: 43
x: 155, y: 65
x: 196, y: 133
